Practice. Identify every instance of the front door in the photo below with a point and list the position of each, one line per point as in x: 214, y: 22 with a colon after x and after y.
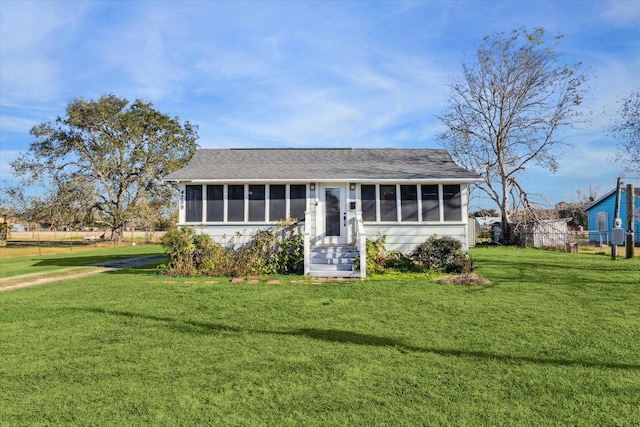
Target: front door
x: 334, y: 215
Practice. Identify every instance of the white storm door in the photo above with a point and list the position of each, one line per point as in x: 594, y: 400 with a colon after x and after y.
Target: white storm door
x: 334, y: 214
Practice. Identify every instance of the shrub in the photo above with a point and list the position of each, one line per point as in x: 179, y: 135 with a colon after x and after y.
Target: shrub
x: 376, y: 255
x: 181, y: 248
x: 441, y: 253
x: 277, y: 250
x: 211, y: 259
x: 399, y: 261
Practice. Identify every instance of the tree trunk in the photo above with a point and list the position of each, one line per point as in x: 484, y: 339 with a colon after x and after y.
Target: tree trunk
x: 117, y: 234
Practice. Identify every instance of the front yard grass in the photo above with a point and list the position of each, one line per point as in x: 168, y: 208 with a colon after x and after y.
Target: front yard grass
x: 12, y: 264
x: 553, y: 340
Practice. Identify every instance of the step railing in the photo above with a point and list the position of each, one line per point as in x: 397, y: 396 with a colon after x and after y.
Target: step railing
x: 307, y: 242
x: 361, y: 244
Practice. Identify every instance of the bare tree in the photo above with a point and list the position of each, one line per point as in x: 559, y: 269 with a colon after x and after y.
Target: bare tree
x: 626, y: 128
x: 504, y: 113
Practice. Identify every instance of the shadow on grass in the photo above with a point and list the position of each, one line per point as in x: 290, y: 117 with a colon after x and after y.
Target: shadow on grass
x: 114, y: 261
x: 349, y: 337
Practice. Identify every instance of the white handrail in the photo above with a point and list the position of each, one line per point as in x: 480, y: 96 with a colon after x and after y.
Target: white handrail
x: 361, y: 243
x: 307, y: 242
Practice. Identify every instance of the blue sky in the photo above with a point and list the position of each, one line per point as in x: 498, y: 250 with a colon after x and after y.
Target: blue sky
x: 305, y: 73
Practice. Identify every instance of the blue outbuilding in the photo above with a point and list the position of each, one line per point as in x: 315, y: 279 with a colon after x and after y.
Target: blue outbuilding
x: 601, y: 216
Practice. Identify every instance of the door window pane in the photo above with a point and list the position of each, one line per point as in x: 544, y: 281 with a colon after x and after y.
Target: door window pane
x: 409, y: 202
x: 235, y: 203
x: 388, y: 203
x: 368, y: 195
x: 277, y: 204
x: 194, y: 203
x: 430, y: 203
x: 298, y: 201
x: 256, y: 203
x: 452, y: 202
x: 332, y: 211
x: 215, y: 203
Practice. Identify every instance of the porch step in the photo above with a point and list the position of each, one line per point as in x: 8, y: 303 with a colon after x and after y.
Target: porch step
x: 333, y: 261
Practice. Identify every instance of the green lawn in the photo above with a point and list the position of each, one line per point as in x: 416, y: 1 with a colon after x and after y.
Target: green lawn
x: 554, y: 340
x: 33, y: 265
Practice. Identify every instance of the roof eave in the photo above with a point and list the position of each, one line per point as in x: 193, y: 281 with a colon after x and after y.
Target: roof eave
x: 326, y: 180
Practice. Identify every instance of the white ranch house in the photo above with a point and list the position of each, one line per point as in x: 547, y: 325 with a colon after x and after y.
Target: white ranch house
x: 340, y: 196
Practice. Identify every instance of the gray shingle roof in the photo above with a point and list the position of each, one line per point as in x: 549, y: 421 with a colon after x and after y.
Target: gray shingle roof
x: 339, y: 164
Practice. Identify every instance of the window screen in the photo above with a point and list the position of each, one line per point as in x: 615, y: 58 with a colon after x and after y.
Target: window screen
x: 368, y: 195
x: 215, y: 203
x: 194, y: 203
x: 256, y: 203
x: 430, y: 203
x: 298, y: 201
x: 236, y: 203
x: 388, y: 203
x: 409, y: 202
x: 451, y: 202
x: 277, y: 204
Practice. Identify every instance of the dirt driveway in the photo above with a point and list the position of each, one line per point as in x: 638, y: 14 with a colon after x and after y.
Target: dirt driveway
x: 30, y: 280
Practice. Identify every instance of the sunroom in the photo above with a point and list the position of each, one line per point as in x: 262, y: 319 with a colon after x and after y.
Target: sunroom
x: 339, y: 196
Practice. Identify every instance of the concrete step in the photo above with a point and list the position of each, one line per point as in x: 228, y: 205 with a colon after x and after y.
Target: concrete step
x: 331, y: 267
x: 332, y: 255
x: 316, y: 273
x: 338, y: 249
x: 333, y: 261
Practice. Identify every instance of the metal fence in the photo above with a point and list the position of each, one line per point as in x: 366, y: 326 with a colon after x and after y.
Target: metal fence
x: 553, y: 239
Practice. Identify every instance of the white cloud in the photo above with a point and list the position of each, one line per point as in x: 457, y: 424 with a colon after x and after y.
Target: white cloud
x: 31, y: 37
x: 15, y: 124
x: 621, y: 11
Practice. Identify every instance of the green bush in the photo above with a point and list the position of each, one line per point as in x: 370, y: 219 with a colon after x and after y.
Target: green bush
x: 399, y: 261
x: 376, y: 255
x: 181, y: 248
x: 441, y: 253
x: 277, y: 250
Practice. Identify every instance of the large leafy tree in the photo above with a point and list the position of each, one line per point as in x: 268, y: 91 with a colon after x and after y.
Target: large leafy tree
x: 505, y: 112
x: 108, y: 156
x: 626, y: 128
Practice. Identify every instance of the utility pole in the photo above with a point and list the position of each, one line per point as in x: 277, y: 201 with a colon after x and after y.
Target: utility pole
x: 616, y: 215
x: 630, y: 252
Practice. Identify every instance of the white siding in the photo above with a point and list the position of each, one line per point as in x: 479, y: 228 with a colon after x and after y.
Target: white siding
x: 228, y: 234
x: 405, y: 237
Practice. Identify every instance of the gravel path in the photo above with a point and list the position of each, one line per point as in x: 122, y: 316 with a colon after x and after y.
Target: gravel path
x: 105, y: 266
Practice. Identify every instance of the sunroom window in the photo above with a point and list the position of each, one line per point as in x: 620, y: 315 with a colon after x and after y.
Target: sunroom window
x: 368, y: 196
x: 277, y: 202
x: 215, y: 203
x: 388, y: 203
x: 415, y: 202
x: 409, y: 202
x: 430, y: 203
x: 256, y: 203
x: 298, y: 201
x: 452, y: 202
x: 235, y: 203
x: 193, y: 203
